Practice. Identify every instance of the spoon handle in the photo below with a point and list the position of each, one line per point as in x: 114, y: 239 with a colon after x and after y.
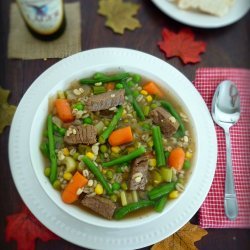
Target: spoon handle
x: 230, y: 200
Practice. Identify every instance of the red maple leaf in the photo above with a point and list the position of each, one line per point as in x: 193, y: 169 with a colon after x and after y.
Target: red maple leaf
x: 25, y: 229
x: 182, y: 44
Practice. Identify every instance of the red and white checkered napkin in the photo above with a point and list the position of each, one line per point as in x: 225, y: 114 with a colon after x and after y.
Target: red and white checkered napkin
x: 211, y: 213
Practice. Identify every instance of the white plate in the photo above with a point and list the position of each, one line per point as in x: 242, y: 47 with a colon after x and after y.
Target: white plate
x: 33, y: 188
x: 196, y: 19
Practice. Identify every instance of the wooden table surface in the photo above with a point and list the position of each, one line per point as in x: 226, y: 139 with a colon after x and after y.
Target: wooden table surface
x: 226, y: 47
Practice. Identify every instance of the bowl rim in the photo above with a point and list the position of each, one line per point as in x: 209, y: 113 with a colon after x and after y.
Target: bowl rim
x: 112, y: 52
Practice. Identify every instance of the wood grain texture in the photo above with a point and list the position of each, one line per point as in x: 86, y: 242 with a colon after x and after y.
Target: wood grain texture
x: 226, y: 47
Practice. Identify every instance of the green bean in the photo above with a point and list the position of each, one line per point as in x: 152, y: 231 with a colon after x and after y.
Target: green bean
x: 160, y: 204
x: 138, y: 110
x: 133, y: 101
x: 161, y: 190
x: 121, y: 212
x: 175, y: 114
x: 98, y: 90
x: 125, y: 158
x: 104, y: 136
x: 158, y: 146
x: 104, y: 78
x: 60, y: 131
x: 52, y: 154
x: 97, y: 173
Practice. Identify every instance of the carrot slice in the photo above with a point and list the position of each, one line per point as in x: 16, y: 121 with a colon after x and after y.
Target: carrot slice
x: 176, y: 158
x: 64, y: 110
x: 121, y: 136
x: 110, y: 86
x: 69, y: 194
x: 153, y: 89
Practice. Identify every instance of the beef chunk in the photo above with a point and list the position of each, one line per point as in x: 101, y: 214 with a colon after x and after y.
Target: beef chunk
x: 165, y: 120
x: 106, y: 100
x: 81, y: 135
x: 100, y: 205
x: 139, y: 174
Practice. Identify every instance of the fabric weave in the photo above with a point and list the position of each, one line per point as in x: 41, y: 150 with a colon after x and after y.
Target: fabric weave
x: 21, y: 43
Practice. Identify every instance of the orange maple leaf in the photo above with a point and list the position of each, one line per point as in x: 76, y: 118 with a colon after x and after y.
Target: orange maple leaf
x: 182, y: 44
x: 183, y: 239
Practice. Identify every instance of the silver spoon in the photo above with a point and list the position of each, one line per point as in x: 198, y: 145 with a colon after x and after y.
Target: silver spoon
x: 226, y: 112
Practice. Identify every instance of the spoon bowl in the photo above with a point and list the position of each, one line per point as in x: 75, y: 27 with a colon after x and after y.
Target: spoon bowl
x: 226, y: 113
x: 226, y: 104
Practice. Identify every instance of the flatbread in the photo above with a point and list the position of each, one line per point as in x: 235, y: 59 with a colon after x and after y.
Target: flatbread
x: 213, y: 7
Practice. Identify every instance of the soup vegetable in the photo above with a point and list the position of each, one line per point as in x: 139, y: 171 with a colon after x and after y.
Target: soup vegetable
x: 116, y: 143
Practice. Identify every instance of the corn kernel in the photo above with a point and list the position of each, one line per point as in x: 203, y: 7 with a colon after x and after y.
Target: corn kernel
x: 149, y: 98
x: 144, y: 92
x: 116, y: 149
x: 67, y: 176
x: 90, y: 155
x: 99, y: 189
x: 65, y: 151
x: 173, y: 195
x: 124, y: 113
x: 152, y: 162
x: 189, y: 155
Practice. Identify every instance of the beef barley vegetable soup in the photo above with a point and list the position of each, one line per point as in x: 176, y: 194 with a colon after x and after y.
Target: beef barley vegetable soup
x: 116, y: 143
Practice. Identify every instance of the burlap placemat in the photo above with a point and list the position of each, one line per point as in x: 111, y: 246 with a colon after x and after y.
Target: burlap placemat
x: 22, y: 44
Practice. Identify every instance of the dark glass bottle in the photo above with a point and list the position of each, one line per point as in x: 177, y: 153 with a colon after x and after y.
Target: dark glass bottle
x: 45, y: 19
